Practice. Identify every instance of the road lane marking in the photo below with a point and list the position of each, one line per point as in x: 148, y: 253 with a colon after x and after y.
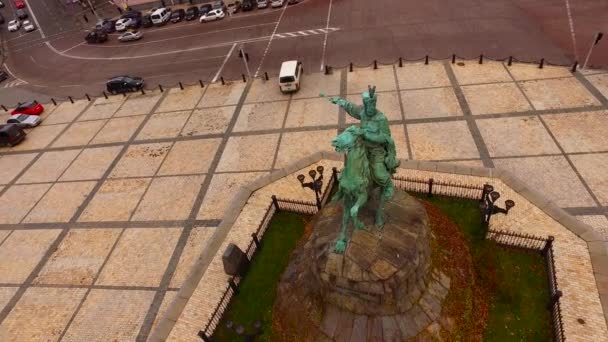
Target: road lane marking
x: 572, y: 33
x: 13, y: 83
x: 73, y: 47
x: 326, y: 34
x: 11, y: 73
x: 205, y: 47
x: 269, y: 43
x: 35, y: 20
x: 219, y: 71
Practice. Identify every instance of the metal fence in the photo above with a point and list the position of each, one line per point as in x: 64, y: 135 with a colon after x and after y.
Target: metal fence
x: 545, y: 247
x: 422, y: 185
x: 444, y: 188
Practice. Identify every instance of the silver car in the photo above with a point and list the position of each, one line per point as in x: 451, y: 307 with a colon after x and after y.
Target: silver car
x: 131, y: 35
x: 24, y: 120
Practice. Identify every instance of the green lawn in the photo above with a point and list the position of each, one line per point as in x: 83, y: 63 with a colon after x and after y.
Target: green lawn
x: 517, y: 279
x: 257, y: 291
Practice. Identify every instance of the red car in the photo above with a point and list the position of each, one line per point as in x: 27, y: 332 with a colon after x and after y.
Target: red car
x: 30, y: 108
x: 19, y: 3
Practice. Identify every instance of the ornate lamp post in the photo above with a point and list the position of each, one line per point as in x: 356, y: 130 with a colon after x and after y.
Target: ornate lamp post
x: 240, y: 330
x: 316, y: 185
x: 488, y: 204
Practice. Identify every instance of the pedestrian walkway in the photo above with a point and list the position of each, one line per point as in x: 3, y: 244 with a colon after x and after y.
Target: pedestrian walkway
x: 105, y: 207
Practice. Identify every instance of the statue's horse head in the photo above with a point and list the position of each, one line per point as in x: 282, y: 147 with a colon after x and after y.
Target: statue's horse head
x: 347, y: 140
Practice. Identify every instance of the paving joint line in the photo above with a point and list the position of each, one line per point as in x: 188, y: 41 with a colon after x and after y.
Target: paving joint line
x: 108, y: 224
x: 276, y: 151
x: 482, y: 149
x: 591, y: 88
x: 152, y: 313
x: 407, y: 136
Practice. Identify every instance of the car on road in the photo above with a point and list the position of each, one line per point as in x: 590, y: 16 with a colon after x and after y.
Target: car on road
x: 178, y: 15
x: 11, y: 135
x: 96, y: 37
x: 248, y: 5
x: 262, y: 3
x: 290, y: 75
x: 161, y: 16
x: 277, y: 3
x: 292, y: 2
x: 212, y: 15
x: 14, y: 25
x: 3, y: 76
x: 30, y: 108
x: 28, y: 26
x: 19, y: 4
x: 233, y: 7
x: 21, y: 14
x: 105, y: 25
x: 191, y: 13
x: 146, y: 21
x: 130, y: 36
x: 24, y: 120
x: 124, y: 84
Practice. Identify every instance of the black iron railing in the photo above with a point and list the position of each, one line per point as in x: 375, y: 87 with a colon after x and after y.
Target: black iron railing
x: 545, y: 247
x: 431, y: 187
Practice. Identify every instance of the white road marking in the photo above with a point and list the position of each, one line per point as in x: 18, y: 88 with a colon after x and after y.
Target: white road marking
x: 269, y: 43
x: 572, y: 33
x: 219, y: 71
x: 35, y: 20
x: 326, y: 34
x: 13, y: 83
x: 11, y: 73
x: 73, y: 47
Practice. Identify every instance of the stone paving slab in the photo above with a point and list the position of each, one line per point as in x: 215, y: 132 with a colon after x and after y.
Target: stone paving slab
x: 170, y: 165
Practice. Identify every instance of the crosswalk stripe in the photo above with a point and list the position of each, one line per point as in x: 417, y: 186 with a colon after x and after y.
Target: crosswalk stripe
x: 305, y: 32
x: 13, y: 83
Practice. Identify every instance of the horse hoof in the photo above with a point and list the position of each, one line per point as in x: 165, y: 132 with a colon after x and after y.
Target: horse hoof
x: 340, y: 246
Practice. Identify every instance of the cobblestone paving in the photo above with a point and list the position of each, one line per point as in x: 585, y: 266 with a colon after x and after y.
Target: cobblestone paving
x: 105, y: 207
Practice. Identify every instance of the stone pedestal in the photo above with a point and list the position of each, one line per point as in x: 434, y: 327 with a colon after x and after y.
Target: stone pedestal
x: 383, y: 288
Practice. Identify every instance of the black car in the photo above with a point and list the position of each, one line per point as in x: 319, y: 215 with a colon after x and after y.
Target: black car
x: 11, y: 135
x: 135, y: 23
x: 1, y: 19
x: 96, y: 37
x: 146, y: 21
x: 131, y: 14
x: 204, y: 9
x: 248, y: 5
x: 21, y: 14
x: 192, y: 13
x: 124, y: 84
x: 3, y: 76
x: 178, y: 15
x: 292, y: 2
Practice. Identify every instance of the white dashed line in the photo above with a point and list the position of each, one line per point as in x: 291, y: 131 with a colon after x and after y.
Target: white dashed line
x: 572, y: 33
x: 326, y: 34
x: 269, y: 43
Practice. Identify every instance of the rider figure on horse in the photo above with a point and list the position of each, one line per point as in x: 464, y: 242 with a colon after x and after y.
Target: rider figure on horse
x: 379, y: 144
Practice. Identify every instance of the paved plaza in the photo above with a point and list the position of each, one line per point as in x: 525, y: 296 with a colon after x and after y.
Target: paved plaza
x: 107, y: 205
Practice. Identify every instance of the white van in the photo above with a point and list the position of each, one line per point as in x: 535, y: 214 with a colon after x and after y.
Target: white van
x: 289, y: 77
x: 160, y: 16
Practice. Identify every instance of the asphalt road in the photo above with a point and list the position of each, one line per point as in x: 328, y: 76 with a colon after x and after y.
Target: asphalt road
x: 55, y: 61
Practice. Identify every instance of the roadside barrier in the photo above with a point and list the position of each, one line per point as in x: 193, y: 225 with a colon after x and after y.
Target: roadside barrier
x: 327, y: 70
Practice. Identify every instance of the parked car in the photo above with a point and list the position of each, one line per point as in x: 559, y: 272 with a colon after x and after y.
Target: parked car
x: 96, y: 37
x: 21, y: 14
x: 146, y: 21
x: 233, y: 7
x: 1, y: 4
x: 30, y: 108
x: 130, y: 36
x: 219, y: 5
x: 277, y: 3
x: 11, y: 135
x: 212, y: 15
x: 19, y: 4
x: 161, y: 16
x: 124, y: 84
x: 28, y: 26
x: 289, y: 76
x: 14, y: 25
x: 248, y: 5
x: 1, y: 19
x: 292, y: 2
x: 204, y: 9
x: 124, y: 23
x: 3, y: 76
x: 106, y: 26
x: 191, y: 13
x: 178, y: 15
x: 262, y: 3
x: 24, y: 120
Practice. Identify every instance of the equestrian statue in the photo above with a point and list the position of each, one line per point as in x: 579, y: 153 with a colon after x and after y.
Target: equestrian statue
x: 370, y: 161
